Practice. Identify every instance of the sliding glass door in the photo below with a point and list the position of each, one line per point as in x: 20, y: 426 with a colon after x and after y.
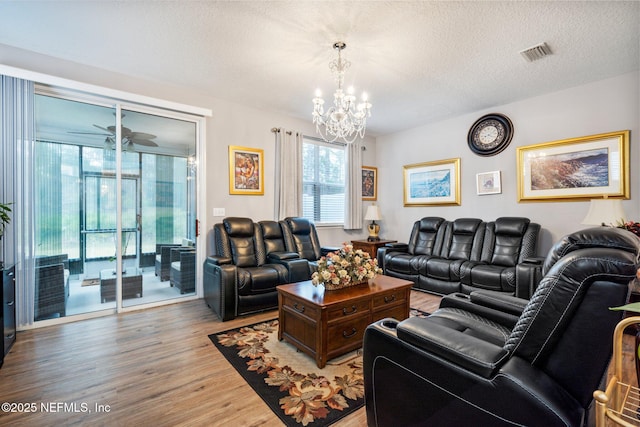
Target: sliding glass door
x: 115, y: 213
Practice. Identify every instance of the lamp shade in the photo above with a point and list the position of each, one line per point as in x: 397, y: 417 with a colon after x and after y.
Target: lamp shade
x: 373, y: 213
x: 604, y: 212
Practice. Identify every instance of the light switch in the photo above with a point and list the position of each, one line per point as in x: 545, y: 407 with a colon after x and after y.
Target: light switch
x: 218, y: 212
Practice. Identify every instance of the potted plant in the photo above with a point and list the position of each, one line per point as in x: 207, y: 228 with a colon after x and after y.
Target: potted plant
x: 633, y: 307
x: 5, y: 219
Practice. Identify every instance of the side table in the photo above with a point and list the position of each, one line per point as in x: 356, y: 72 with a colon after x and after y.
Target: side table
x: 131, y: 284
x: 370, y: 247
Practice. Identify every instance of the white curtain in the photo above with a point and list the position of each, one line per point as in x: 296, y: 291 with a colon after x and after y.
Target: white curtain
x: 353, y: 187
x: 17, y: 139
x: 288, y: 174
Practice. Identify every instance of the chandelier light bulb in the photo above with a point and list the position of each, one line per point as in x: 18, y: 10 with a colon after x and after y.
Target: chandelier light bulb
x: 344, y: 120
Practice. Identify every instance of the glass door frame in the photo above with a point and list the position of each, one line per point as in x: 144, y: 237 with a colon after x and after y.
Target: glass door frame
x: 166, y: 110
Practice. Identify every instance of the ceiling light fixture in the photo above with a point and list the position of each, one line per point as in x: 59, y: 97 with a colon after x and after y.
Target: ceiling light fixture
x: 344, y: 120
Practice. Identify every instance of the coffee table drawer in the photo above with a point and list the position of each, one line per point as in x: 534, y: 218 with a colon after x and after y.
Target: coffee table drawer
x: 346, y: 335
x: 351, y: 308
x: 389, y: 298
x: 300, y: 307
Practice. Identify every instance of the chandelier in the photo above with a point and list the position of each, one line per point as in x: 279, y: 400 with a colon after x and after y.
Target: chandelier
x: 344, y: 119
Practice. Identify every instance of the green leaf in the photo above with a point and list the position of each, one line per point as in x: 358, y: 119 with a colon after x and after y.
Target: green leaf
x: 634, y: 306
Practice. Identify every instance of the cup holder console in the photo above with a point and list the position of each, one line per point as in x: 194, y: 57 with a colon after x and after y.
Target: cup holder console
x: 389, y: 323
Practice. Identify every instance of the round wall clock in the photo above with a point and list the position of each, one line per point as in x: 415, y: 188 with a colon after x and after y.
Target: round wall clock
x: 490, y: 134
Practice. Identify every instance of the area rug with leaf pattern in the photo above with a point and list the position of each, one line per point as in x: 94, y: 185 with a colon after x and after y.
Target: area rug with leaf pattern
x: 289, y: 381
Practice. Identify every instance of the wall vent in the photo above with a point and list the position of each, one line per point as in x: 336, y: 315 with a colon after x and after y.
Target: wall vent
x: 536, y: 52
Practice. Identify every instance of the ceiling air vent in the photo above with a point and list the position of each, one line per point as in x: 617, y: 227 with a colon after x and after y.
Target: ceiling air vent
x: 536, y: 52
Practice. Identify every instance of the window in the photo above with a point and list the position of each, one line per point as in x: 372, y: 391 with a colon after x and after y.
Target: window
x: 324, y: 171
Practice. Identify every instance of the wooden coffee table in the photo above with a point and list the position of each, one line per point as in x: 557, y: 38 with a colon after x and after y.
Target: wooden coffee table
x: 327, y: 324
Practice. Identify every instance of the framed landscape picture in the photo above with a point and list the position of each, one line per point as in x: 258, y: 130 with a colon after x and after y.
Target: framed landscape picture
x: 432, y: 183
x: 369, y: 183
x: 575, y: 169
x: 246, y: 171
x: 488, y: 183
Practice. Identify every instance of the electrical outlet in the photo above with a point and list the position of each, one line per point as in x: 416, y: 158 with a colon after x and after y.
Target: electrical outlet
x: 218, y: 212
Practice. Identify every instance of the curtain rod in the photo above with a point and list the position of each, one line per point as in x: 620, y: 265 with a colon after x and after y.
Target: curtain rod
x: 315, y: 138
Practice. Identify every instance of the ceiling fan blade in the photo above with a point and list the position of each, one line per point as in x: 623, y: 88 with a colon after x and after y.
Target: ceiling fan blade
x: 141, y: 135
x: 144, y: 142
x: 110, y: 129
x: 90, y: 133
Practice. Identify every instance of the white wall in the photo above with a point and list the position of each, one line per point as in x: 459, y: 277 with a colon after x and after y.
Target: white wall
x: 234, y: 124
x: 230, y: 124
x: 604, y: 106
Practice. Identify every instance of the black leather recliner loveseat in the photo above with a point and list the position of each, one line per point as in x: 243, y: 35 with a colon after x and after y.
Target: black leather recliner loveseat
x: 467, y: 254
x: 489, y: 359
x: 251, y: 259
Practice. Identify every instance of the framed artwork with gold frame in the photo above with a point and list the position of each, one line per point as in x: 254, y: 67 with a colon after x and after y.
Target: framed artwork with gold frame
x: 369, y: 183
x: 246, y: 171
x: 432, y: 183
x: 582, y: 168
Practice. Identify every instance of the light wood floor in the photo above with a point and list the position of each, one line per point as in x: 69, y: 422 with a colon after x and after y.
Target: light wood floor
x: 153, y: 367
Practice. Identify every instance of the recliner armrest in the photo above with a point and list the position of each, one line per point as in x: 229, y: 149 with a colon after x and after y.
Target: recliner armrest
x: 499, y: 301
x: 324, y: 250
x: 279, y: 256
x: 297, y: 268
x: 528, y: 276
x: 493, y: 311
x: 403, y: 247
x: 389, y: 247
x: 218, y: 260
x: 468, y: 352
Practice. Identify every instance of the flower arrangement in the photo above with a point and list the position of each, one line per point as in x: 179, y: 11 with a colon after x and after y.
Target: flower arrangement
x: 345, y: 267
x: 631, y: 226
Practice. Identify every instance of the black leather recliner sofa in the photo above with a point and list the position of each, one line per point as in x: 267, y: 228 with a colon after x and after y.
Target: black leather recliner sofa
x: 490, y: 359
x: 463, y: 255
x: 241, y: 277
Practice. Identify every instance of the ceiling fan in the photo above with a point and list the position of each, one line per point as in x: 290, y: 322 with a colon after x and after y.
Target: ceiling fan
x: 129, y: 138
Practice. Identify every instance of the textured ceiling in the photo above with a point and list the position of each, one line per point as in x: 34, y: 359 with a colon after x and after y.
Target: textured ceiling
x: 419, y: 61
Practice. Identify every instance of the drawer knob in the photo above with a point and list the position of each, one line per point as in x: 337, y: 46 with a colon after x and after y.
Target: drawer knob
x: 298, y: 309
x: 10, y: 303
x: 349, y: 335
x: 388, y: 300
x: 353, y: 310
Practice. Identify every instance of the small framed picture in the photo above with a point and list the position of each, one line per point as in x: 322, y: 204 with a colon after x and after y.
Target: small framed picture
x: 246, y: 171
x: 488, y: 183
x: 369, y: 183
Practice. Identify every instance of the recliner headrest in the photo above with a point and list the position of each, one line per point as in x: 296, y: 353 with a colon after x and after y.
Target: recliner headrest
x: 466, y: 225
x: 430, y: 223
x: 299, y: 225
x: 238, y: 226
x: 596, y: 237
x: 271, y: 229
x: 511, y: 226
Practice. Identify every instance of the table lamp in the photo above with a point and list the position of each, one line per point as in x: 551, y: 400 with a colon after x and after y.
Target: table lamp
x: 605, y: 212
x: 373, y: 215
